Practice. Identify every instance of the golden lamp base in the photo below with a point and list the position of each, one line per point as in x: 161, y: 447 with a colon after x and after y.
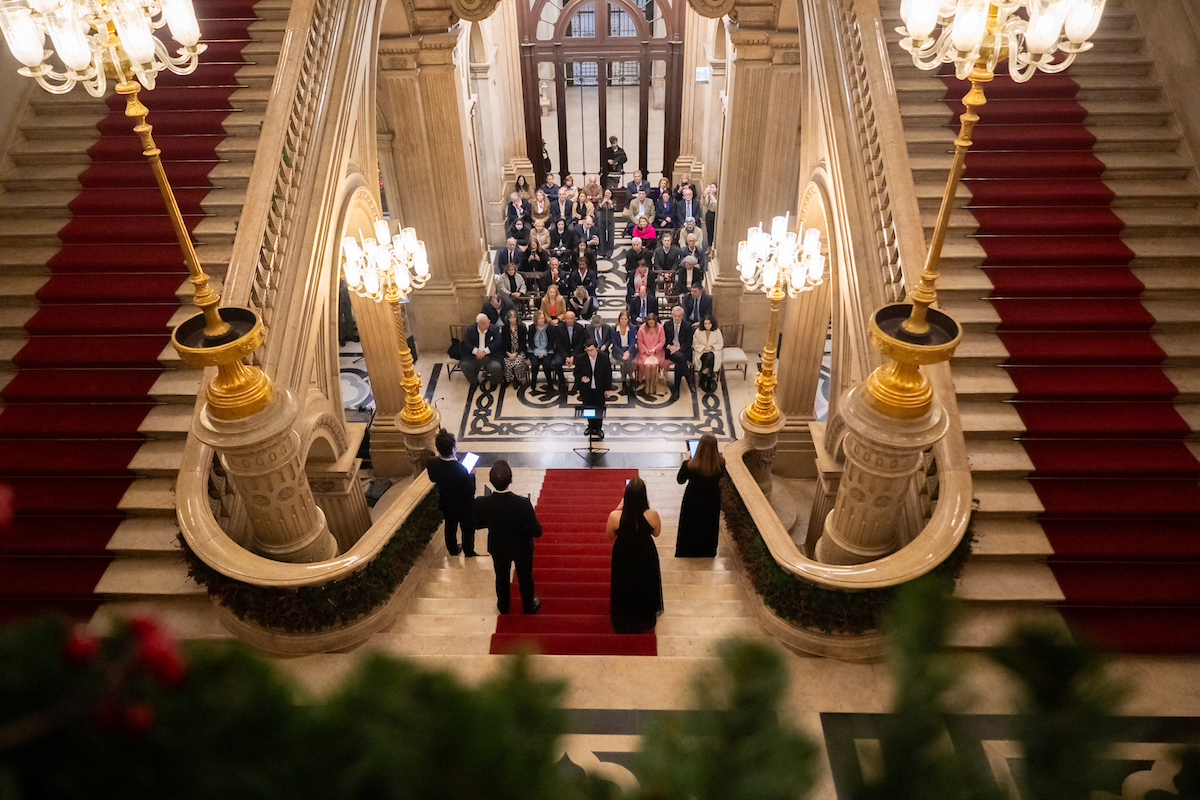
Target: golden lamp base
x: 898, y: 388
x: 238, y: 390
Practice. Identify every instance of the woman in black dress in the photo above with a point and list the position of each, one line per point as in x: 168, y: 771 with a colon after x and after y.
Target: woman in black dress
x: 635, y: 587
x: 700, y: 515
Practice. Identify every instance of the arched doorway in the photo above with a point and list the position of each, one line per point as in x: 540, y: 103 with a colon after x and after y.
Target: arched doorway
x: 592, y: 69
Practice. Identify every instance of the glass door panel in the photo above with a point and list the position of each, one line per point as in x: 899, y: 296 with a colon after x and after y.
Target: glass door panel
x: 582, y: 81
x: 656, y: 130
x: 622, y: 106
x: 547, y: 100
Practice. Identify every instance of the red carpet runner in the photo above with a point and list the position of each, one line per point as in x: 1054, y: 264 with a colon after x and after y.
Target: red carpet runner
x: 571, y: 566
x: 1118, y: 485
x: 70, y: 422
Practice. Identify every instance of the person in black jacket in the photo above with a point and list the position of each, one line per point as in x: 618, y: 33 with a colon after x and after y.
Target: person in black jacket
x: 593, y: 375
x: 512, y: 525
x: 679, y: 347
x: 571, y: 337
x: 456, y: 494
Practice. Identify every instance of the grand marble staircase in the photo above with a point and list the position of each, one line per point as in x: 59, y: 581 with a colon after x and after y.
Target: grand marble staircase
x: 40, y: 179
x: 1156, y: 196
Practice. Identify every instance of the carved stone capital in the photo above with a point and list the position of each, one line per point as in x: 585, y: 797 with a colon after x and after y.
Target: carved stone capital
x: 712, y: 8
x: 476, y: 10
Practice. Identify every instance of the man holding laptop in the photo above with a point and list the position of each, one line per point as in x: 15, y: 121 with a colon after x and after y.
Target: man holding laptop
x: 456, y: 493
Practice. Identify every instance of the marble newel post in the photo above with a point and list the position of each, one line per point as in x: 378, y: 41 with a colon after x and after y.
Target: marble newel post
x: 437, y: 192
x: 760, y: 161
x: 882, y: 454
x: 263, y: 460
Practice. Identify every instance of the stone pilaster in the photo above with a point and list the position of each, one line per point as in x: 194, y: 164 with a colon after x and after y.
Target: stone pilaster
x: 805, y: 324
x: 262, y: 459
x: 760, y: 165
x: 882, y: 454
x: 338, y: 493
x: 761, y: 457
x: 421, y: 98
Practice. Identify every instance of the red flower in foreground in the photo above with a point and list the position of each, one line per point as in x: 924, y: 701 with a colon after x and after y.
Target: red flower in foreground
x: 80, y: 647
x: 158, y: 652
x: 139, y: 717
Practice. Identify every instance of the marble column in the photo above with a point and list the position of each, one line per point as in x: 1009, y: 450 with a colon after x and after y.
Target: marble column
x: 760, y: 162
x: 423, y: 104
x: 338, y: 492
x: 805, y: 324
x: 262, y: 459
x: 882, y: 455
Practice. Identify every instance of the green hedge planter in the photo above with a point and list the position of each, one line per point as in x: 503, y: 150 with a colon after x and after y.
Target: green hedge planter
x: 311, y: 609
x: 806, y: 604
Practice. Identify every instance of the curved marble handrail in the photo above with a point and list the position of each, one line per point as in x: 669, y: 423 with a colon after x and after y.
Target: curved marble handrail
x: 214, y: 547
x: 931, y: 547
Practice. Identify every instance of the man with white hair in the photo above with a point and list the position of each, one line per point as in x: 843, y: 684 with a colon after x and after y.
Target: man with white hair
x: 678, y: 336
x: 481, y: 352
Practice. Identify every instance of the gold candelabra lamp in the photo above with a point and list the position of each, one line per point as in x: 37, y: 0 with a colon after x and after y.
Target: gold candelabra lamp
x: 99, y: 40
x: 779, y: 265
x: 975, y: 35
x: 387, y: 268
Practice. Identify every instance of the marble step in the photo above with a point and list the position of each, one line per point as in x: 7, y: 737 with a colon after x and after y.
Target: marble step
x: 988, y: 382
x: 928, y: 88
x: 1100, y: 113
x: 485, y: 604
x: 1110, y: 138
x: 177, y: 386
x: 1139, y: 222
x: 1008, y: 582
x: 986, y: 349
x: 158, y: 459
x: 1162, y: 283
x: 479, y: 643
x: 166, y: 422
x: 700, y: 592
x: 980, y: 316
x: 998, y: 538
x: 1095, y: 62
x: 1148, y: 251
x: 984, y: 624
x: 146, y: 577
x: 1120, y: 165
x: 669, y: 624
x: 145, y: 536
x: 991, y: 419
x: 34, y: 203
x: 1006, y: 497
x: 1129, y: 193
x: 187, y: 617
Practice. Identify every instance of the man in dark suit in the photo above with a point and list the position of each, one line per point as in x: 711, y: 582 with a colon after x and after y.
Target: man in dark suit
x: 563, y: 209
x: 562, y: 238
x: 593, y: 375
x: 512, y: 525
x: 571, y: 338
x: 554, y: 275
x: 696, y: 306
x: 633, y: 255
x: 614, y: 163
x: 582, y: 275
x: 510, y: 254
x: 643, y: 304
x: 497, y: 307
x: 678, y: 336
x: 666, y: 255
x: 688, y: 208
x: 517, y: 209
x: 666, y: 212
x: 690, y: 246
x: 550, y: 188
x: 481, y: 351
x: 636, y: 185
x: 456, y: 494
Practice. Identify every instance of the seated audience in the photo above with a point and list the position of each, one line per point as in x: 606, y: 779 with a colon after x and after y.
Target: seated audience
x: 697, y: 305
x: 584, y: 273
x: 685, y: 185
x: 666, y: 212
x: 539, y: 209
x: 601, y: 332
x: 540, y: 235
x: 572, y: 338
x: 591, y: 190
x: 678, y: 336
x: 643, y: 305
x: 513, y: 344
x: 688, y: 210
x: 520, y: 233
x: 510, y: 284
x: 562, y: 238
x: 623, y: 351
x: 605, y: 225
x: 562, y: 208
x: 640, y: 277
x: 664, y: 187
x: 553, y: 304
x: 636, y: 185
x: 517, y: 209
x: 645, y: 231
x: 639, y: 206
x: 633, y: 257
x: 508, y: 255
x: 481, y: 347
x: 581, y: 303
x: 650, y: 354
x: 693, y: 247
x: 521, y: 187
x: 550, y: 188
x: 535, y: 257
x: 666, y: 255
x: 688, y: 274
x: 496, y: 307
x: 707, y: 345
x: 588, y: 234
x: 541, y: 347
x: 554, y: 276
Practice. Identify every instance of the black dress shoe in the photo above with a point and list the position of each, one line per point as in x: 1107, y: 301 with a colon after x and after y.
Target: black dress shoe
x: 472, y: 554
x: 537, y: 604
x: 501, y: 610
x: 455, y: 551
x: 600, y: 434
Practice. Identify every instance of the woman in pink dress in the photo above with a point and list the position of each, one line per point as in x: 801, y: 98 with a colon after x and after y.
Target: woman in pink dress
x: 650, y: 342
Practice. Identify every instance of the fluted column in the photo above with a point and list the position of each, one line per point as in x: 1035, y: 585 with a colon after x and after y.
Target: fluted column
x: 421, y: 98
x: 882, y: 454
x: 760, y: 164
x: 263, y: 460
x: 805, y: 324
x: 338, y: 491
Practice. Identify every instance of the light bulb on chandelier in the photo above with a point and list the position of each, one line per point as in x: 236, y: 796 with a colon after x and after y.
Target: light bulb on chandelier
x: 1034, y: 35
x: 96, y: 39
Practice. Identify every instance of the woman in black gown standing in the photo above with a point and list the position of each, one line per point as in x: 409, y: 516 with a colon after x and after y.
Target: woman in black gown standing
x: 635, y: 585
x: 700, y: 515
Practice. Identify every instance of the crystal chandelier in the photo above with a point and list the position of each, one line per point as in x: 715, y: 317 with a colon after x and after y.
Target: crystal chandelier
x: 386, y: 267
x: 1034, y: 35
x: 98, y: 39
x: 767, y: 259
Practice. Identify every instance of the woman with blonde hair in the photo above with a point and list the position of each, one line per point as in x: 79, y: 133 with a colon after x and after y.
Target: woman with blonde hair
x: 700, y: 514
x: 644, y: 230
x: 540, y: 209
x: 650, y: 343
x: 553, y: 305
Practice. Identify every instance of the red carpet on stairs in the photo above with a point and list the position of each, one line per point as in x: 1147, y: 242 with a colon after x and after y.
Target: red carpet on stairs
x: 571, y: 564
x: 1110, y: 466
x: 70, y: 422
